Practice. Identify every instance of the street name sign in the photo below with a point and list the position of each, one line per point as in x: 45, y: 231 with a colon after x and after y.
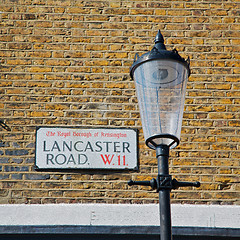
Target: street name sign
x: 79, y: 148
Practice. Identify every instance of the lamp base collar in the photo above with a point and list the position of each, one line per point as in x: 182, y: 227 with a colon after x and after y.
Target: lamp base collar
x: 151, y: 141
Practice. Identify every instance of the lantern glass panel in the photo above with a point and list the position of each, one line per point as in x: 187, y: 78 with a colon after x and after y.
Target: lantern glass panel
x: 161, y: 87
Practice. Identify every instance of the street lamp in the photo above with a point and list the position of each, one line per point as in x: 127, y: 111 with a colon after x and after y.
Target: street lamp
x: 160, y: 78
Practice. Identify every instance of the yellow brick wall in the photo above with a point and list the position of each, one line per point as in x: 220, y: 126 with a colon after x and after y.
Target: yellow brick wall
x: 66, y: 63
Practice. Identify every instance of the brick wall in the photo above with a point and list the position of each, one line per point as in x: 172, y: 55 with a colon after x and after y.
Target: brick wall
x: 66, y: 63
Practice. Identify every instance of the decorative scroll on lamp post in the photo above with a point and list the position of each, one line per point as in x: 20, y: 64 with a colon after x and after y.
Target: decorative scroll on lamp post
x: 160, y: 78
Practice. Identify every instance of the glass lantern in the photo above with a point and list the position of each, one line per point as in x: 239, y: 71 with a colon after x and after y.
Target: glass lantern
x: 160, y: 78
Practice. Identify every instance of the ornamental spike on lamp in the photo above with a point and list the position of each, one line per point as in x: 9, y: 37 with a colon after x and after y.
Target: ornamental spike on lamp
x: 160, y: 78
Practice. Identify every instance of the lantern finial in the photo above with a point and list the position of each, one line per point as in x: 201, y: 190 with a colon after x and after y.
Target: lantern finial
x: 159, y: 37
x: 159, y: 41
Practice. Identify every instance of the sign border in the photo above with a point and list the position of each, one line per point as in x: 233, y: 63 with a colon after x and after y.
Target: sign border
x: 88, y: 169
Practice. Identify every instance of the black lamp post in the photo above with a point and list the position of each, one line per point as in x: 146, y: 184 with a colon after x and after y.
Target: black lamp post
x: 160, y: 78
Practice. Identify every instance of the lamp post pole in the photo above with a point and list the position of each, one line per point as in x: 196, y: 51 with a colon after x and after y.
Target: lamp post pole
x: 162, y: 154
x: 160, y: 78
x: 164, y: 184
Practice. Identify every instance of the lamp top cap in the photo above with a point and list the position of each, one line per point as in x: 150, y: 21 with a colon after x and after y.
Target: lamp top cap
x: 159, y: 52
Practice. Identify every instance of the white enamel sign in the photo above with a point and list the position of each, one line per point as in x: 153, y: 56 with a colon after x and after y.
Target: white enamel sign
x: 78, y: 148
